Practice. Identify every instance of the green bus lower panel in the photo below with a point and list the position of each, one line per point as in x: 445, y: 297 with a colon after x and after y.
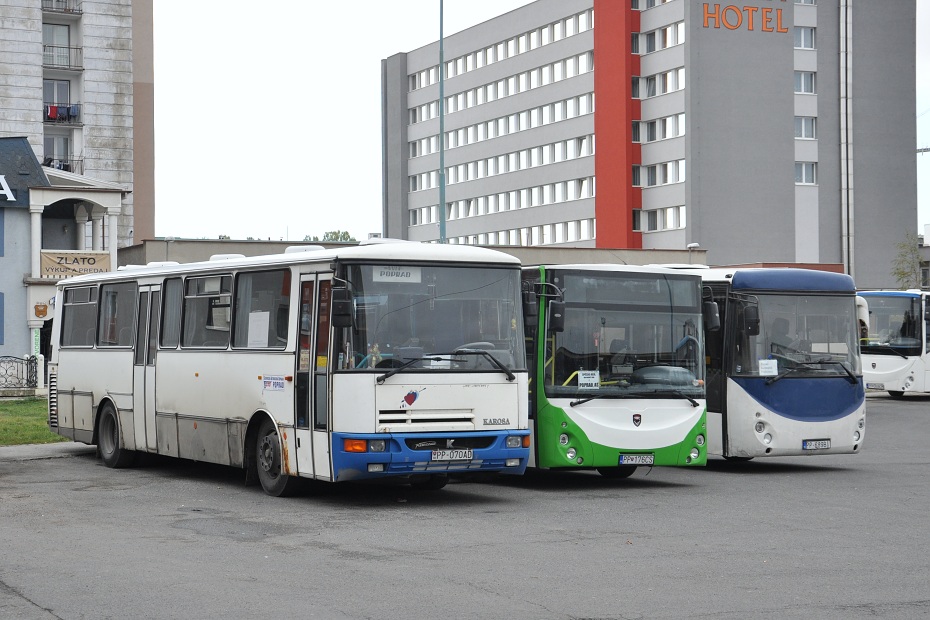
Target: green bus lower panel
x: 580, y: 451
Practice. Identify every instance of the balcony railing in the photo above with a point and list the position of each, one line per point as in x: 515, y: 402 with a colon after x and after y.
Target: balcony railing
x: 64, y: 113
x: 72, y: 164
x: 61, y: 57
x: 62, y: 6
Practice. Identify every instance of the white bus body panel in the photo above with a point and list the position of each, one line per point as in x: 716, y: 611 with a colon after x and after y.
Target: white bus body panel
x: 895, y: 374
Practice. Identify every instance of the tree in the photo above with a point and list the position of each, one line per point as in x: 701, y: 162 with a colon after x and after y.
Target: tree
x: 333, y: 235
x: 906, y: 264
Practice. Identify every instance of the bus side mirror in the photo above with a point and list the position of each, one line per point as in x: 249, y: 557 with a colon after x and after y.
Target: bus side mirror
x: 530, y: 309
x: 711, y: 316
x: 556, y: 322
x: 343, y: 314
x: 751, y: 320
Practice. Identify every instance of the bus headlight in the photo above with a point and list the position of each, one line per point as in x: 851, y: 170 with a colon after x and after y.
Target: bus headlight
x: 563, y: 439
x: 760, y: 427
x: 377, y: 445
x: 571, y: 454
x: 695, y: 453
x: 699, y: 440
x: 514, y: 441
x: 767, y: 439
x: 856, y: 436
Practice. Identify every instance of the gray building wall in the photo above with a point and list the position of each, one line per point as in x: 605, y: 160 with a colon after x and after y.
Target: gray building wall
x: 14, y: 265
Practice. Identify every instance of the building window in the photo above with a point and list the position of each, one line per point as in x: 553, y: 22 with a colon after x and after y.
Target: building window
x: 805, y: 37
x: 805, y: 127
x: 805, y: 82
x: 805, y: 173
x: 805, y: 1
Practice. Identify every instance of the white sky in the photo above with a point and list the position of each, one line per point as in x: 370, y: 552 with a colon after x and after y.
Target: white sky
x: 268, y: 123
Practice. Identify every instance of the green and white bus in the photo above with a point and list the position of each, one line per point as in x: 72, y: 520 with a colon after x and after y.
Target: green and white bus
x: 616, y: 361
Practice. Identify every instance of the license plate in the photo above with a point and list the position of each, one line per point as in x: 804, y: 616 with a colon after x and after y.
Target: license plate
x: 815, y: 444
x: 452, y: 455
x: 875, y: 386
x: 637, y: 459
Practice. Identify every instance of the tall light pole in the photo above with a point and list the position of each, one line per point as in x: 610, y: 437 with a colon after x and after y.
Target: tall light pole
x: 692, y: 246
x: 442, y: 136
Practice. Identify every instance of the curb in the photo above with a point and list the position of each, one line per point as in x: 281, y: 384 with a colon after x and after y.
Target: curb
x: 37, y: 451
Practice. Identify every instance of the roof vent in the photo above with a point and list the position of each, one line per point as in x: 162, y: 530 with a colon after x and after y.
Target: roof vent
x: 294, y: 249
x: 217, y: 257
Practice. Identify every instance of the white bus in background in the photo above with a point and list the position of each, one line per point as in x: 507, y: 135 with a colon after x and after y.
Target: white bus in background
x: 896, y: 350
x: 784, y: 375
x: 382, y: 360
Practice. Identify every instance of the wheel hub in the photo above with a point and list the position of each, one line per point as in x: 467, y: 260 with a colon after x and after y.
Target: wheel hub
x: 267, y: 455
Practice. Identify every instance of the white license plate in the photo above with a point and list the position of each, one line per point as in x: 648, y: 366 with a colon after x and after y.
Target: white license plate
x: 452, y: 455
x: 875, y: 386
x: 637, y: 459
x: 815, y: 444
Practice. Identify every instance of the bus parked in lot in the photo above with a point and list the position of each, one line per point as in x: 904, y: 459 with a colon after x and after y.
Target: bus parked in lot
x: 389, y: 359
x: 616, y: 358
x: 784, y: 375
x: 896, y: 351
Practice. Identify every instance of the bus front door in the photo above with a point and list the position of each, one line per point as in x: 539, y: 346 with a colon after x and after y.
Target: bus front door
x: 312, y: 378
x: 143, y: 376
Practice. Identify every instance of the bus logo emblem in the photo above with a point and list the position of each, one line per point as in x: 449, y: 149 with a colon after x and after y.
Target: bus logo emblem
x: 637, y: 419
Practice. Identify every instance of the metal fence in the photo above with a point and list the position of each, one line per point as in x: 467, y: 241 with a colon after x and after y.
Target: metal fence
x: 19, y: 372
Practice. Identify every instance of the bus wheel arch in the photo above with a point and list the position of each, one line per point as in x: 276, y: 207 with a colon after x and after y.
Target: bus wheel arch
x: 108, y: 435
x: 265, y: 458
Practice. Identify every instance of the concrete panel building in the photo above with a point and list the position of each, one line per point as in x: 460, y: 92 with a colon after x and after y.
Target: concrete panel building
x: 763, y: 130
x: 70, y: 69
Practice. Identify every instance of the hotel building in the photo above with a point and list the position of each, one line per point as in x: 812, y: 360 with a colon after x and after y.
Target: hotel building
x: 775, y: 131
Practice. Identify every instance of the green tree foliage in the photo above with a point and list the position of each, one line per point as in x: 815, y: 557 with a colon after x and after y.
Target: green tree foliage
x: 906, y: 264
x: 333, y: 235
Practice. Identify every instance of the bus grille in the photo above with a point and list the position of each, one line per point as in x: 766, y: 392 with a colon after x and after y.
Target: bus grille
x: 53, y: 400
x: 401, y: 420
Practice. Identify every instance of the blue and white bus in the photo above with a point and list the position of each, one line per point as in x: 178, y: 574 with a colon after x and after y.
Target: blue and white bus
x: 385, y: 360
x: 896, y: 350
x: 784, y: 375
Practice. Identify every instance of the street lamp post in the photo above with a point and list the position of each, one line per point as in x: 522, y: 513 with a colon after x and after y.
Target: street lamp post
x: 692, y: 246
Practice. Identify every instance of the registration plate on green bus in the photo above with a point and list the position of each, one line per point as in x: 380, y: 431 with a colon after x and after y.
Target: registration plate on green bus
x: 452, y: 455
x: 815, y: 444
x: 637, y: 459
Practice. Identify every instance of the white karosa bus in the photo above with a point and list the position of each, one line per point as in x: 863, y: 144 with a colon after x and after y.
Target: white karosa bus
x: 389, y: 359
x: 896, y: 351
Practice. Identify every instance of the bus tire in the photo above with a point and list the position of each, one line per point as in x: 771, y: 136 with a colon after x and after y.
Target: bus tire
x: 433, y: 482
x: 617, y: 473
x: 108, y: 440
x: 268, y: 461
x: 895, y: 394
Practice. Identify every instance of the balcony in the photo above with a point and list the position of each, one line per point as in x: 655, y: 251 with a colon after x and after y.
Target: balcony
x: 62, y: 113
x: 61, y: 57
x: 62, y: 6
x: 71, y: 164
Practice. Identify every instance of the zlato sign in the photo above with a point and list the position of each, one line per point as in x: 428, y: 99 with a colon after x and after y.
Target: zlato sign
x: 67, y: 263
x: 732, y: 17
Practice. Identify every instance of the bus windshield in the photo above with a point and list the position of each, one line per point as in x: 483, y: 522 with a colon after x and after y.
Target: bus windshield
x: 434, y: 317
x: 894, y: 325
x: 794, y: 335
x: 626, y: 335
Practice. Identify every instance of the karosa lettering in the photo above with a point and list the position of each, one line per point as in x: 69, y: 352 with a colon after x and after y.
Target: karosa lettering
x: 733, y: 17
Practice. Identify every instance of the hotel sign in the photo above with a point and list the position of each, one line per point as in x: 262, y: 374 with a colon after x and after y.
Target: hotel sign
x: 67, y: 263
x: 733, y: 17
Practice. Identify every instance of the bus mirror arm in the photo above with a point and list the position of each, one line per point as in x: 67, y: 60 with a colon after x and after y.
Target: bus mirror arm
x: 711, y: 316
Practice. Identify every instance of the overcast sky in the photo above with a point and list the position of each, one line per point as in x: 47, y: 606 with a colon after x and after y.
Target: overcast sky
x: 268, y: 122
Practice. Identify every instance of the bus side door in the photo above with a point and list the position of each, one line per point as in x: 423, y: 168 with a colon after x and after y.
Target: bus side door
x: 312, y: 378
x: 143, y: 376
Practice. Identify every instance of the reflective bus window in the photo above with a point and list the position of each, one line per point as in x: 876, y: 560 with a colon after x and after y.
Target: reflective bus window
x: 261, y: 309
x: 78, y: 317
x: 117, y: 314
x: 206, y: 312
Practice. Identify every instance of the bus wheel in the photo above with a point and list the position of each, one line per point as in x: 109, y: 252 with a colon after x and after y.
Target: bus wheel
x: 616, y: 473
x: 896, y: 394
x: 430, y: 483
x: 268, y: 458
x: 738, y: 459
x: 108, y: 440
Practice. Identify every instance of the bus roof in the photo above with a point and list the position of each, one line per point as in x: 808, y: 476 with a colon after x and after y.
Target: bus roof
x: 778, y: 279
x: 398, y: 252
x: 611, y: 267
x: 912, y: 293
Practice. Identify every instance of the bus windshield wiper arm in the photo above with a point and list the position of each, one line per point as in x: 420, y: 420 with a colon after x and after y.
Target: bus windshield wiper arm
x: 885, y: 345
x: 849, y: 374
x: 582, y: 401
x: 406, y: 364
x: 487, y: 355
x: 679, y: 394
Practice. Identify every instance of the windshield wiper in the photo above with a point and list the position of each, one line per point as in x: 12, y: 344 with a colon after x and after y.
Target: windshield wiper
x: 823, y: 360
x: 885, y: 345
x: 852, y: 378
x: 487, y: 355
x: 582, y: 401
x: 679, y: 394
x: 406, y: 364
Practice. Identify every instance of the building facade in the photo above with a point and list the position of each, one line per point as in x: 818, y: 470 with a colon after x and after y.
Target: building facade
x: 75, y: 182
x: 762, y: 130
